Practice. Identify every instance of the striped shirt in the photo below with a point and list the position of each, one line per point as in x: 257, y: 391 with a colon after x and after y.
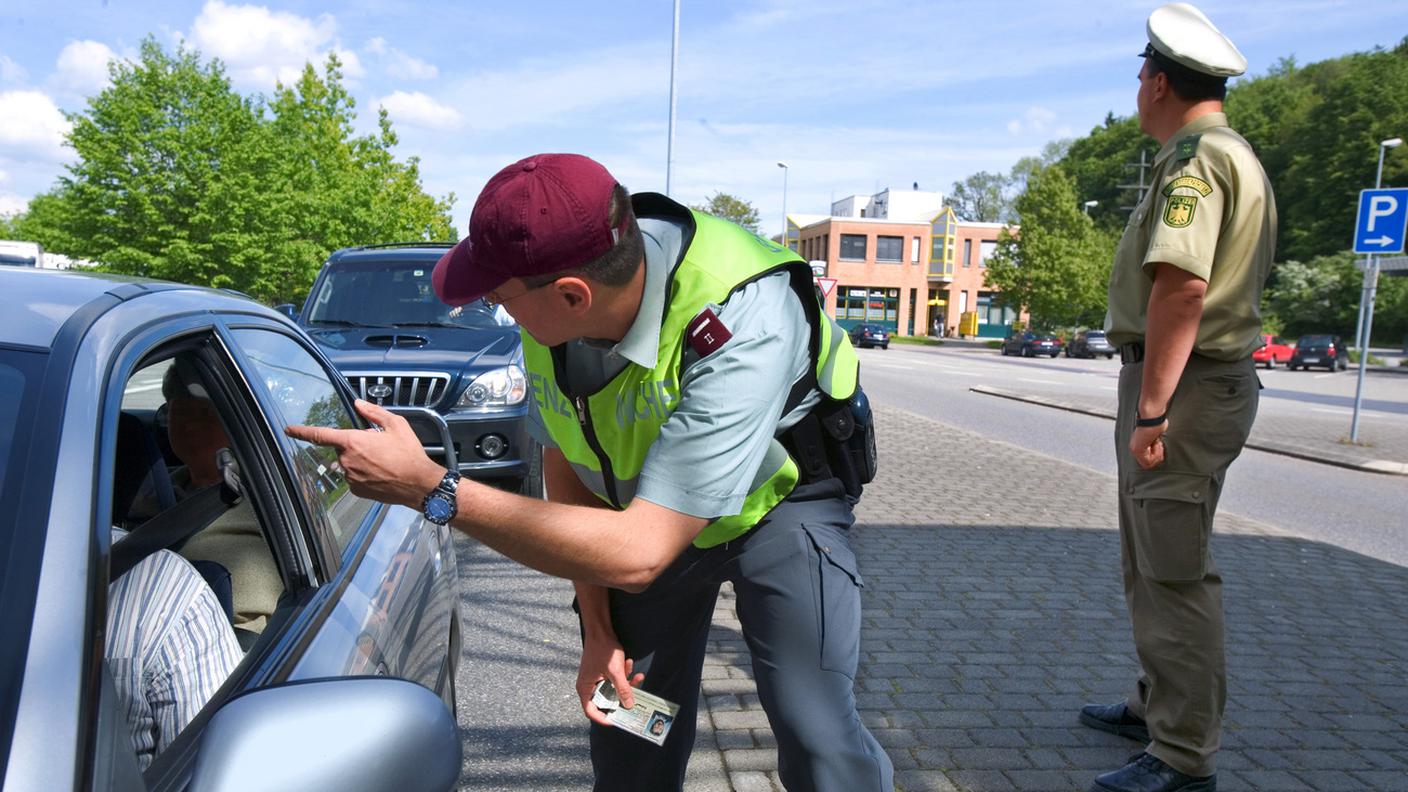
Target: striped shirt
x: 169, y: 647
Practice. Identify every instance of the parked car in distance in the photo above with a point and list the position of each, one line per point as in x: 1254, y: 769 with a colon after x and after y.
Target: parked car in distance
x: 375, y: 314
x: 1274, y: 349
x: 115, y: 390
x: 1028, y: 343
x: 1088, y: 344
x: 1319, y: 350
x: 870, y: 335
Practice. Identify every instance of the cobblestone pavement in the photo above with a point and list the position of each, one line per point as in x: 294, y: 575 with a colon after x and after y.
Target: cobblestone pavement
x: 994, y: 611
x: 1318, y: 439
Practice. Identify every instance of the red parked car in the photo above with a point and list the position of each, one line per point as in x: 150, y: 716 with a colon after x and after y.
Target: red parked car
x: 1274, y: 349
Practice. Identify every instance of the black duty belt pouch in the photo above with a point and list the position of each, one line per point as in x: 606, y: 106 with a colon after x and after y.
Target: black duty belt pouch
x: 837, y: 438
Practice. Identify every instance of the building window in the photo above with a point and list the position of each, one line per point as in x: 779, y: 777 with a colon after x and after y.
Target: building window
x: 853, y: 247
x: 942, y: 233
x: 963, y: 302
x: 967, y: 252
x: 914, y: 250
x: 856, y: 304
x: 986, y: 248
x: 889, y: 248
x: 992, y: 311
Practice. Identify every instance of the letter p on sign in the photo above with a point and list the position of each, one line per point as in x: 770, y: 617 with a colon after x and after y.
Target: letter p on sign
x: 1381, y: 206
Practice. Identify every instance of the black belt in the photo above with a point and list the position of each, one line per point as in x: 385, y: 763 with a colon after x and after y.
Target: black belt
x: 1132, y: 352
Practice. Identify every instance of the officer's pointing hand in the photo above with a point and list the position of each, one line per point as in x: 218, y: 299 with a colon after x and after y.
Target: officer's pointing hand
x: 1147, y: 445
x: 385, y: 463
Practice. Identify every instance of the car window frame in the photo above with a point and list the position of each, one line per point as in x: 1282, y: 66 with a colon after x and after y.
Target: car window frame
x: 332, y: 560
x: 263, y: 665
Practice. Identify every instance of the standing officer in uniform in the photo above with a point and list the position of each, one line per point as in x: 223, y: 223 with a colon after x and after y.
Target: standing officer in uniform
x: 1185, y: 292
x: 692, y: 398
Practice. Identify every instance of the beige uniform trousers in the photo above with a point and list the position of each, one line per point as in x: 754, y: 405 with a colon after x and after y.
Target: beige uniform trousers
x: 1173, y: 589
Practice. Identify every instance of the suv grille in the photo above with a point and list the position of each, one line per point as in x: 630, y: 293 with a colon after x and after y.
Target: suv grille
x: 401, y: 389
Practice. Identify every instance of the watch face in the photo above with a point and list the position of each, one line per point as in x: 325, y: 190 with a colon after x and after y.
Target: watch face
x: 438, y: 509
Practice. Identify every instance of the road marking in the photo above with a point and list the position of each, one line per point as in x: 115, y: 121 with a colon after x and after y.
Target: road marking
x: 142, y: 388
x: 1038, y: 381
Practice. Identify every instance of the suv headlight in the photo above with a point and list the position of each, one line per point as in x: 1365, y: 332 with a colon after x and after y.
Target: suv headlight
x: 502, y: 387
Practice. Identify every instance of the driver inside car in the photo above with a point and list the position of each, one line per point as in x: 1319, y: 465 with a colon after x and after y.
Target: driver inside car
x: 234, y: 540
x: 168, y: 645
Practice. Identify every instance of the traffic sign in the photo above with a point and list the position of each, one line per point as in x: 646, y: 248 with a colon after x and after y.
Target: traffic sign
x: 826, y: 285
x: 1382, y: 221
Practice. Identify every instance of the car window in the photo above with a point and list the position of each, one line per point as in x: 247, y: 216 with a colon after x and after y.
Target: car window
x: 393, y: 293
x: 304, y: 394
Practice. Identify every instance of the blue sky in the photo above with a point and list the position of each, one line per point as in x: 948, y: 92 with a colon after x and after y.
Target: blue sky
x: 854, y: 96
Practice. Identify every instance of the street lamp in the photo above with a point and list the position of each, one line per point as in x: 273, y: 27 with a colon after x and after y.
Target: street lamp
x: 674, y: 64
x: 1364, y: 330
x: 1089, y: 204
x: 783, y: 165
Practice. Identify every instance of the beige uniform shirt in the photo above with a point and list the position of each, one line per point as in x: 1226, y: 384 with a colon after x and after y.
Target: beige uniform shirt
x: 1210, y: 212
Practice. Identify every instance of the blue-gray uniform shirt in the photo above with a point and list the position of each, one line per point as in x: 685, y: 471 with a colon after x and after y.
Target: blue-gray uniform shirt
x: 711, y: 450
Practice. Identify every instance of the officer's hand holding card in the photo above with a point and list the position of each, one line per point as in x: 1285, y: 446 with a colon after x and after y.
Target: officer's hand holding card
x: 650, y: 717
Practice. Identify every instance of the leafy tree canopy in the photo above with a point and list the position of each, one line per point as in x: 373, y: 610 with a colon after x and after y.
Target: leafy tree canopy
x: 180, y: 177
x: 731, y: 208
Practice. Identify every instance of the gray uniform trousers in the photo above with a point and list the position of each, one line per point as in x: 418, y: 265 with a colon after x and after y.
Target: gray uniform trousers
x: 1171, y: 584
x: 798, y: 600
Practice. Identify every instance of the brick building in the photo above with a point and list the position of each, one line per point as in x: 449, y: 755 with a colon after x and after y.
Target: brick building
x: 902, y: 260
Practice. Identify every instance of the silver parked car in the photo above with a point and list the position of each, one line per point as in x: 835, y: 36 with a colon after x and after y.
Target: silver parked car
x: 338, y: 615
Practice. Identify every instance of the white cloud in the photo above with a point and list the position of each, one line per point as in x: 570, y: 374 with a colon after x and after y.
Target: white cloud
x: 1037, y: 120
x: 33, y: 126
x: 83, y: 66
x: 12, y: 204
x: 409, y: 67
x: 418, y: 110
x: 377, y: 46
x: 260, y: 46
x: 11, y: 72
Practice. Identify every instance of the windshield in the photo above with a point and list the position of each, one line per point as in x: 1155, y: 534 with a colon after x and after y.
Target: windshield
x: 392, y: 294
x: 1314, y: 341
x: 20, y: 373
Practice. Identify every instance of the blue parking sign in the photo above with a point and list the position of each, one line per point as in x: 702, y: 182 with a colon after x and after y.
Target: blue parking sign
x: 1382, y: 222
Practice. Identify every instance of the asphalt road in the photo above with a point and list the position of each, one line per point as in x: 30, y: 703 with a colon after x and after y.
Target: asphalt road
x: 1362, y: 512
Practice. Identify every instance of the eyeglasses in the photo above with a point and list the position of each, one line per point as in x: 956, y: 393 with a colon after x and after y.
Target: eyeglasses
x: 493, y: 300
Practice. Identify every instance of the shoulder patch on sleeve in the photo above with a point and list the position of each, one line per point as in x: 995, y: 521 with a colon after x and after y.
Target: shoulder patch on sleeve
x: 1187, y: 147
x: 1178, y: 212
x: 1190, y: 182
x: 706, y: 333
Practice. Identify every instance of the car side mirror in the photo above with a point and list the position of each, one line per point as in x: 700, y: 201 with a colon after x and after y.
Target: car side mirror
x: 354, y: 734
x: 287, y: 309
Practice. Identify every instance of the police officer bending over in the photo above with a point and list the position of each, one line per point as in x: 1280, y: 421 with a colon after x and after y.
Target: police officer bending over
x: 699, y: 414
x: 1185, y: 292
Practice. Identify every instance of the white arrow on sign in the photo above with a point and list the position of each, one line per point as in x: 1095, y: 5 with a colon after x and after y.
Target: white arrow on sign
x: 1382, y: 241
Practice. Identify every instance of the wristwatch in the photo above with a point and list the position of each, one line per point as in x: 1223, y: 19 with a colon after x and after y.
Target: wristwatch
x: 440, y: 505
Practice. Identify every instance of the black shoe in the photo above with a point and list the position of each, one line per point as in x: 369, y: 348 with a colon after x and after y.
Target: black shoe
x: 1145, y: 773
x: 1115, y: 719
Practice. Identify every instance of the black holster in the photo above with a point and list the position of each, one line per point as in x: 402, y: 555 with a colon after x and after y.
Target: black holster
x: 836, y: 439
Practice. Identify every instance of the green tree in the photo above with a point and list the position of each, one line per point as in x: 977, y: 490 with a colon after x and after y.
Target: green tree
x: 731, y: 208
x: 180, y: 177
x: 981, y: 198
x: 1058, y: 265
x: 1101, y: 161
x: 1322, y: 295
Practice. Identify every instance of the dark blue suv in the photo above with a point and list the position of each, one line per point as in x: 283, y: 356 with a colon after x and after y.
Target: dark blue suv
x: 375, y: 314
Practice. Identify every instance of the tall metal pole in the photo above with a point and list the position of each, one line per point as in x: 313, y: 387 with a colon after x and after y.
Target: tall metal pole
x: 1369, y: 264
x: 1366, y: 307
x: 674, y: 64
x: 783, y: 165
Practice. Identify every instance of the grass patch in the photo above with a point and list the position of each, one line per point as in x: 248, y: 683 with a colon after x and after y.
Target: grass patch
x: 916, y: 340
x: 1374, y: 360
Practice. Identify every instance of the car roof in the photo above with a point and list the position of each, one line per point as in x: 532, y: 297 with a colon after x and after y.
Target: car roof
x: 419, y: 252
x: 41, y: 301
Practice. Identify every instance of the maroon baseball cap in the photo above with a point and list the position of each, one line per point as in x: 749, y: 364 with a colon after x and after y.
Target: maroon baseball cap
x: 543, y: 214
